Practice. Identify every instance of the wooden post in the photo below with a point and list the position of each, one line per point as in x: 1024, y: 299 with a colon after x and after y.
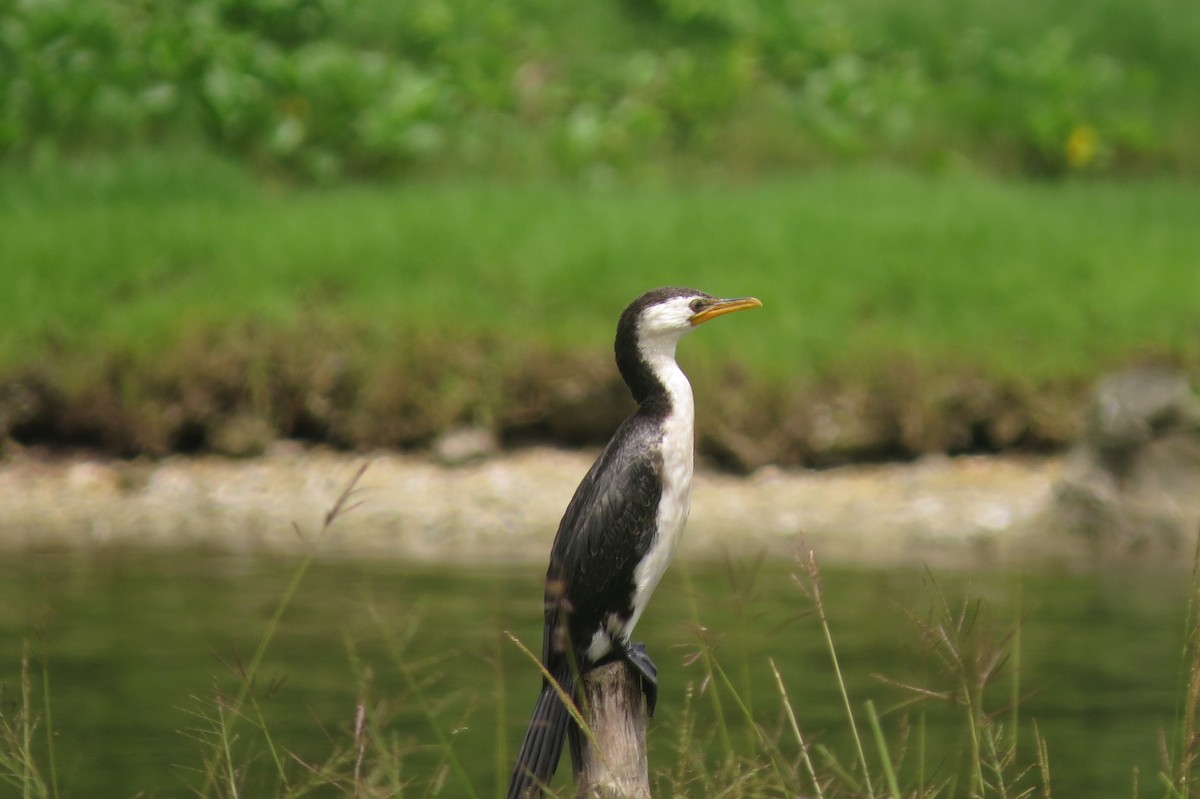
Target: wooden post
x: 615, y: 711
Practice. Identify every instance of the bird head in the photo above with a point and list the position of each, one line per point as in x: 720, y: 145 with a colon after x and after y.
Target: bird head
x: 652, y: 325
x: 672, y: 312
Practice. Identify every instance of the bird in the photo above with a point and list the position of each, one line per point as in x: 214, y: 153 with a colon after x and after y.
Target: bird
x: 623, y: 524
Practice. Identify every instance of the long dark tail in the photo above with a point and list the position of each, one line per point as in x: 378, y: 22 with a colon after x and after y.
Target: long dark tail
x: 543, y: 744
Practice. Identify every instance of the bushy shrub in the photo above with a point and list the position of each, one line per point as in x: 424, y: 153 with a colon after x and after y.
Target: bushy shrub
x: 322, y: 88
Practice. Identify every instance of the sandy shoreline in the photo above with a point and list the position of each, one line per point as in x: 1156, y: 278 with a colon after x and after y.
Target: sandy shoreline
x: 938, y: 510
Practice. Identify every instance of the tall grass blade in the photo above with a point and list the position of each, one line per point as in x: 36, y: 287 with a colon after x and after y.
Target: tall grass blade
x: 227, y: 739
x: 250, y: 673
x: 795, y: 725
x: 449, y: 756
x: 884, y: 756
x: 568, y: 701
x: 51, y: 765
x: 500, y: 762
x: 30, y: 778
x: 709, y: 670
x: 771, y: 749
x: 814, y: 579
x: 921, y: 758
x: 1014, y: 696
x: 1043, y: 761
x: 1179, y: 756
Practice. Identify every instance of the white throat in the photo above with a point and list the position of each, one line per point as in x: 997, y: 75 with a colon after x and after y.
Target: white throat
x: 678, y: 448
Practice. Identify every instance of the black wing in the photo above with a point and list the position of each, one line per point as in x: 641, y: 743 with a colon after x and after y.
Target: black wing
x: 606, y: 529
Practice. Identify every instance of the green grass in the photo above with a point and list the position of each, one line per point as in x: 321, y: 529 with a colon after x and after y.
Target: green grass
x: 1022, y: 282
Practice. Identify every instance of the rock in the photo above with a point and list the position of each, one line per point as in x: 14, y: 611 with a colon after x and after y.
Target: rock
x: 92, y: 477
x: 1133, y: 408
x: 283, y: 448
x: 464, y: 445
x: 847, y: 427
x: 1132, y: 483
x: 18, y: 405
x: 242, y: 436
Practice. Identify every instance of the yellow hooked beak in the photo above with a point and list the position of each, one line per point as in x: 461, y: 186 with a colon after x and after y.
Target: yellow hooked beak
x: 722, y: 307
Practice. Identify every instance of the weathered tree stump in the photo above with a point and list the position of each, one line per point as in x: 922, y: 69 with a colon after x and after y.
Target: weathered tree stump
x: 615, y: 766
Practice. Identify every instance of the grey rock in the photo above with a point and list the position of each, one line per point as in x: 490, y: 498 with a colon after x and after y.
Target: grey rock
x: 1132, y: 483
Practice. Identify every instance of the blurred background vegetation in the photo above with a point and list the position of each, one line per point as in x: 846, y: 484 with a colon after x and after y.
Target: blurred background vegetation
x: 320, y: 89
x: 365, y: 223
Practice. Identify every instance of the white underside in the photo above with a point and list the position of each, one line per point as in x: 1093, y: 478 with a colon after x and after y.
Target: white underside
x: 678, y: 453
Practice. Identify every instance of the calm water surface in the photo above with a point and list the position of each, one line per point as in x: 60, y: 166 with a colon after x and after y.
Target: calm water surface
x: 140, y: 642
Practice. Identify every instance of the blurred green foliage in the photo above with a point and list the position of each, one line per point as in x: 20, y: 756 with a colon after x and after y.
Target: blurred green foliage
x: 325, y: 88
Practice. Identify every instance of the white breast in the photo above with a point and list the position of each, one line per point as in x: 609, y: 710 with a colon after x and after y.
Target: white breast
x: 678, y: 446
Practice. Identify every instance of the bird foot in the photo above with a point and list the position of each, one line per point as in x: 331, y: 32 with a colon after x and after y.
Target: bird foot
x: 636, y: 656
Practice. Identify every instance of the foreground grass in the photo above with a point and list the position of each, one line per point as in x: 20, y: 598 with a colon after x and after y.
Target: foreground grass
x: 953, y: 723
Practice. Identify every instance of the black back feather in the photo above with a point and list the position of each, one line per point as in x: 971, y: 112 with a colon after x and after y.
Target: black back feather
x: 607, y: 528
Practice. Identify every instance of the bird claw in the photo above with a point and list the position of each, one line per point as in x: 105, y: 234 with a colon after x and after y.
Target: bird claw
x: 636, y: 656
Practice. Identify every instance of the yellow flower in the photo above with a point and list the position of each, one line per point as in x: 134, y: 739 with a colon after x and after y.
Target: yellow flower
x: 1081, y: 145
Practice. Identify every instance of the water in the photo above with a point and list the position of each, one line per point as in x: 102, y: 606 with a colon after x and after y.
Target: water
x: 140, y: 644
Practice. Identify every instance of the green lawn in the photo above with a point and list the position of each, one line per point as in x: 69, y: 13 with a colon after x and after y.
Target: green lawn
x: 1019, y: 281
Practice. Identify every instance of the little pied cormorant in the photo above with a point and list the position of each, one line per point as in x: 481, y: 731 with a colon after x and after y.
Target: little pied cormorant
x: 623, y: 524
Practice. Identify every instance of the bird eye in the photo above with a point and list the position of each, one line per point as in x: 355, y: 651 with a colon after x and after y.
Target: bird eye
x: 696, y: 305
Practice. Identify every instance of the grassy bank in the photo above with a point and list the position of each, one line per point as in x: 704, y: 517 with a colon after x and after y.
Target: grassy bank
x: 176, y: 284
